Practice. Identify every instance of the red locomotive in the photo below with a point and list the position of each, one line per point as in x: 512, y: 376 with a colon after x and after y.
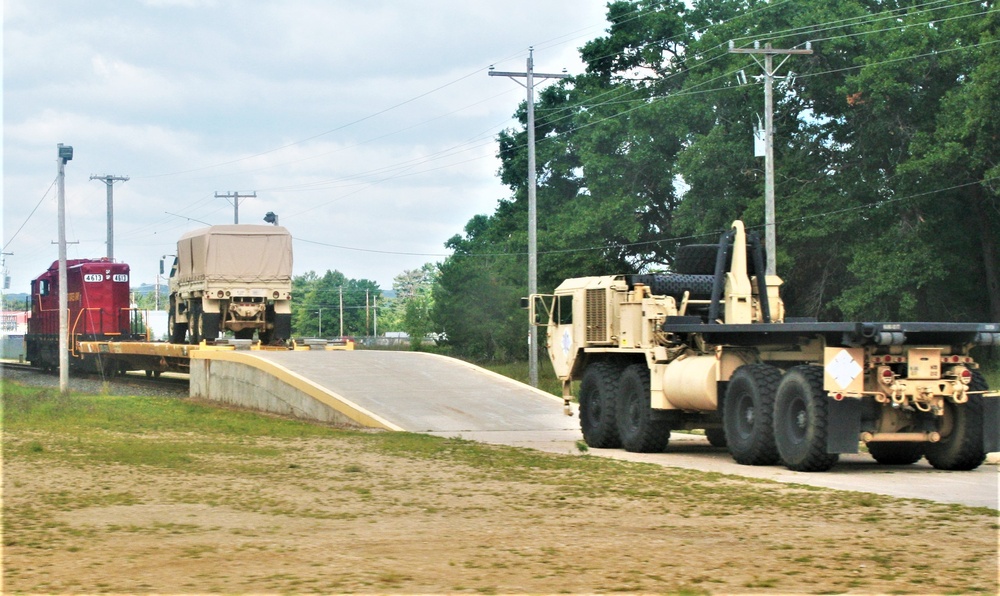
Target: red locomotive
x: 99, y: 309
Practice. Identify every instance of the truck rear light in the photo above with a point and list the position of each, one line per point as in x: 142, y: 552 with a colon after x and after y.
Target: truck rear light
x: 220, y: 294
x: 276, y: 294
x: 886, y: 375
x: 965, y: 376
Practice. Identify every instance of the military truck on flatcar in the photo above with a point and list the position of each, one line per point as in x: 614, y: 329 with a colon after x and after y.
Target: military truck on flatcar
x: 232, y: 277
x: 709, y: 347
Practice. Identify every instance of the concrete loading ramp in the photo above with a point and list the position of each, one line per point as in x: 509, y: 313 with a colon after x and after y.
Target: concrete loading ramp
x: 409, y: 391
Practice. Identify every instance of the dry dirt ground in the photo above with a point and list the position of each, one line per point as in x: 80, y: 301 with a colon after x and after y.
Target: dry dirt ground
x: 328, y: 515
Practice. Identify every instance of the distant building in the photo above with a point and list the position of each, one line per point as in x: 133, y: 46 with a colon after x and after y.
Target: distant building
x: 13, y: 326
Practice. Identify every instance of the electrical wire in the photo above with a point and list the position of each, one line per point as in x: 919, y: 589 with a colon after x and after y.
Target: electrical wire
x: 27, y: 219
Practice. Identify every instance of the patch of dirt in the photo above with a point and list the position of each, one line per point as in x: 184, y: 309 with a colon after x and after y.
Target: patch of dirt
x: 328, y: 515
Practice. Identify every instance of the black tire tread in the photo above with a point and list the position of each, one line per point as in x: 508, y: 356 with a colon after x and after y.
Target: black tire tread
x: 638, y: 431
x: 963, y: 448
x: 696, y: 259
x: 896, y: 453
x: 600, y: 381
x: 761, y: 451
x: 816, y: 458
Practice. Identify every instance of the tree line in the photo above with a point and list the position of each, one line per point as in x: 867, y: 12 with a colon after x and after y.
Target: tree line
x: 886, y: 159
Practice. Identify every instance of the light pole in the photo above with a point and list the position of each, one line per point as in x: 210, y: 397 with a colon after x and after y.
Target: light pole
x: 320, y: 313
x: 65, y: 153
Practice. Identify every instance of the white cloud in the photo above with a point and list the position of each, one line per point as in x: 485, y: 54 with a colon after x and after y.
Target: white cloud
x: 362, y: 124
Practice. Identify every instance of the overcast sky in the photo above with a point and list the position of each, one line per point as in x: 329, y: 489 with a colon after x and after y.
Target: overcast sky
x: 365, y: 124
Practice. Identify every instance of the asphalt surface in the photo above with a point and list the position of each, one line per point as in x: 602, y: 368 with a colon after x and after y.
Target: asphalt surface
x: 446, y: 397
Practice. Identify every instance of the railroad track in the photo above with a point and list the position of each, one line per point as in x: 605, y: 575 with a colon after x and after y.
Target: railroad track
x: 167, y: 383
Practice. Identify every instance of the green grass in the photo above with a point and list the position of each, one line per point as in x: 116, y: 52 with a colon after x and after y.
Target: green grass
x: 266, y: 465
x: 547, y: 380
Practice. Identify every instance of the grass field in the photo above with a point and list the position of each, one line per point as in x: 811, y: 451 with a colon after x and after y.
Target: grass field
x: 149, y: 495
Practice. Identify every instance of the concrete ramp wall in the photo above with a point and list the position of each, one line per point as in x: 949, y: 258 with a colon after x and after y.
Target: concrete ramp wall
x: 245, y: 379
x: 410, y: 391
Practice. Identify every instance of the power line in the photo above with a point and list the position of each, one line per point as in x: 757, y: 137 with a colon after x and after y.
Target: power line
x: 37, y: 205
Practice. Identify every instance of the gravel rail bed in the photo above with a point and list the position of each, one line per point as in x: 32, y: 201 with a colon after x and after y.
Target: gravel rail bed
x: 93, y: 385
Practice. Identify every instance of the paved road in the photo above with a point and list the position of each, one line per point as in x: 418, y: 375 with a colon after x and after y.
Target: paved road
x: 446, y: 397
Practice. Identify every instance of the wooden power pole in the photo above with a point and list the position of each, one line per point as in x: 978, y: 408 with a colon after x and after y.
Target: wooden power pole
x: 769, y: 69
x: 530, y: 75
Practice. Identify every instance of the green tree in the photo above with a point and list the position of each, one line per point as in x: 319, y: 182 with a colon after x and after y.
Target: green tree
x: 318, y: 301
x: 885, y: 147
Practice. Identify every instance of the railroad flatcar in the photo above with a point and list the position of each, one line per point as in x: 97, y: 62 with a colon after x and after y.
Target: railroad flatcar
x: 98, y: 302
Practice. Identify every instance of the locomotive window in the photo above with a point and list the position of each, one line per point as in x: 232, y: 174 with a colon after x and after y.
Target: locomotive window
x: 43, y: 287
x: 564, y: 310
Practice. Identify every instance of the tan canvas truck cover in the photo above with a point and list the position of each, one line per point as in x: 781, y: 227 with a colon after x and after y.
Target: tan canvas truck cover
x: 235, y: 253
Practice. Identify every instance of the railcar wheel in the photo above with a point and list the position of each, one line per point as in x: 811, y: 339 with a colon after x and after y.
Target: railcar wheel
x: 598, y: 392
x: 896, y: 453
x: 800, y: 421
x: 961, y: 428
x: 747, y: 414
x: 639, y: 432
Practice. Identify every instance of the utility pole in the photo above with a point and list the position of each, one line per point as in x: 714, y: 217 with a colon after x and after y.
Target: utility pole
x: 110, y: 180
x: 236, y: 196
x: 65, y: 153
x: 769, y: 70
x: 529, y: 84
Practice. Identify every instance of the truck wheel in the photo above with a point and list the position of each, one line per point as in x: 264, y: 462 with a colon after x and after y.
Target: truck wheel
x: 282, y: 327
x: 961, y: 444
x: 598, y: 391
x: 800, y: 421
x: 896, y: 453
x: 716, y: 436
x: 638, y: 431
x: 208, y: 325
x: 696, y: 259
x: 747, y: 414
x: 177, y: 330
x: 194, y: 323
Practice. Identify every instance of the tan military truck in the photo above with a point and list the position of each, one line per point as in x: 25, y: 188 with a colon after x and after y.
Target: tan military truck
x: 232, y: 277
x: 709, y: 347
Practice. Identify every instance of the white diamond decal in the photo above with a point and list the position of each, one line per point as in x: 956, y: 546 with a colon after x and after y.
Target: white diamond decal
x: 844, y: 369
x: 567, y: 343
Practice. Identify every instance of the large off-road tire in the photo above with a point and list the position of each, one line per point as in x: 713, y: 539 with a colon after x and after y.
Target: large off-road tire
x: 282, y: 328
x: 208, y: 325
x: 639, y: 432
x: 747, y: 413
x: 598, y: 394
x: 716, y: 436
x: 800, y: 416
x: 178, y: 331
x: 696, y: 259
x: 961, y: 428
x: 194, y: 323
x: 699, y: 259
x: 896, y: 453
